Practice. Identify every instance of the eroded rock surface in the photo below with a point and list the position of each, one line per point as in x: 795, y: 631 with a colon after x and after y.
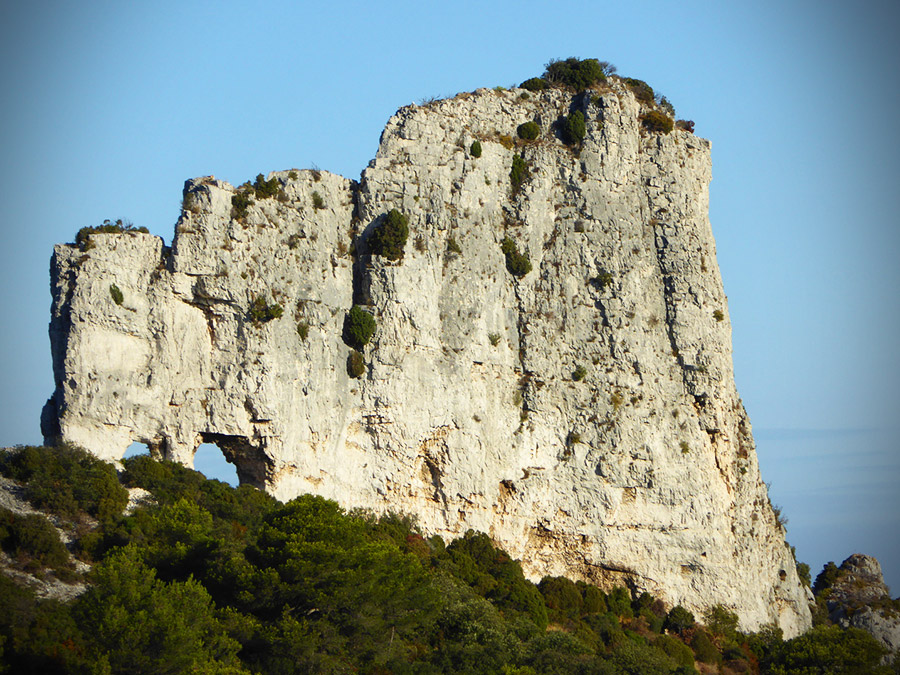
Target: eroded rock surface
x: 471, y: 412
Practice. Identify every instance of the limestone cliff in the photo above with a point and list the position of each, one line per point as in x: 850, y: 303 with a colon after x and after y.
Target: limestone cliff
x: 584, y: 415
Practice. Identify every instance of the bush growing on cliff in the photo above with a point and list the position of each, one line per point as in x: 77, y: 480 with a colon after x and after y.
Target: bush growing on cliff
x: 359, y: 327
x: 535, y: 84
x: 240, y: 203
x: 266, y: 188
x: 518, y: 174
x: 389, y: 237
x: 475, y: 150
x: 356, y: 364
x: 528, y: 131
x: 655, y: 120
x: 574, y: 128
x: 263, y: 312
x: 641, y: 90
x: 517, y: 263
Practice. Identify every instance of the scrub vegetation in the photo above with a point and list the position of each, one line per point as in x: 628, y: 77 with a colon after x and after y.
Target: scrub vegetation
x: 208, y: 578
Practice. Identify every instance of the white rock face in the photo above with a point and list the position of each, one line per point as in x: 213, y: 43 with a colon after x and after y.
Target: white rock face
x: 469, y: 414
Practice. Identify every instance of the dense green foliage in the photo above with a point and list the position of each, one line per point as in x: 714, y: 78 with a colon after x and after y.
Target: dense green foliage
x: 839, y: 650
x: 266, y: 188
x: 31, y: 540
x: 518, y: 264
x: 518, y: 174
x: 120, y: 226
x: 573, y: 128
x: 66, y: 480
x: 535, y: 84
x: 359, y: 327
x: 206, y: 578
x: 261, y: 311
x: 390, y: 235
x: 475, y: 150
x: 656, y: 120
x: 529, y: 131
x: 240, y: 202
x: 116, y: 293
x: 576, y: 73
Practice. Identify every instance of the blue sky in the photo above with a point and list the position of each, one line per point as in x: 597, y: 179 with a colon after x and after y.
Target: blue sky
x: 110, y: 106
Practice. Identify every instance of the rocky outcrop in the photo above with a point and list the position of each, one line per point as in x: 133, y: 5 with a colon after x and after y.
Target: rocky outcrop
x: 584, y: 414
x: 859, y: 598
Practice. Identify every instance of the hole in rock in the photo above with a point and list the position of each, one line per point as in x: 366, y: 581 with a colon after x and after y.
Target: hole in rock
x: 210, y: 461
x: 136, y: 449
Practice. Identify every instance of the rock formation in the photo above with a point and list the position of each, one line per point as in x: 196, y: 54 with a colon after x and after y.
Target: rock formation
x: 859, y: 598
x: 584, y: 414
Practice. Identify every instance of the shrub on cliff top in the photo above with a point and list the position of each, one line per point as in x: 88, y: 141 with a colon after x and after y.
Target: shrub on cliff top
x: 266, y: 188
x: 576, y: 73
x: 535, y: 84
x: 656, y: 120
x: 359, y: 327
x: 641, y: 90
x: 389, y: 237
x: 119, y: 226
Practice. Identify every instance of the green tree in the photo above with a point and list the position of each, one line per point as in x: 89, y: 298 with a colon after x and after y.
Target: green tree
x: 359, y: 327
x: 389, y: 237
x: 827, y: 649
x: 576, y: 73
x: 679, y: 619
x: 135, y: 623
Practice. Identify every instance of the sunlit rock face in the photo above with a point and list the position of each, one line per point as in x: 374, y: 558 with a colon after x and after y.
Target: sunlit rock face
x: 584, y: 414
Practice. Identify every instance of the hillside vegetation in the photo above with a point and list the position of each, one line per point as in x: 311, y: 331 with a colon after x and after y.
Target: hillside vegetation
x: 207, y: 578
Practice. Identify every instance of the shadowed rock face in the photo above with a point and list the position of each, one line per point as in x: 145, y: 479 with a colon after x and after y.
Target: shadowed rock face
x: 584, y: 414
